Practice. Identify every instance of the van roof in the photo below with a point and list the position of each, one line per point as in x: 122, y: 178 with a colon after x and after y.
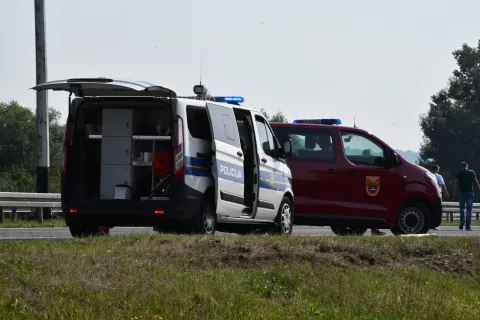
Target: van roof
x: 203, y: 103
x: 315, y: 126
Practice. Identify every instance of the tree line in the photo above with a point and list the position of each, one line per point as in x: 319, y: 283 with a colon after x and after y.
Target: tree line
x: 451, y: 126
x: 18, y: 155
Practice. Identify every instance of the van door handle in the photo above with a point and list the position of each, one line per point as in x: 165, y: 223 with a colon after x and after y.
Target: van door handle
x: 351, y: 173
x: 239, y: 153
x: 330, y: 171
x: 264, y: 160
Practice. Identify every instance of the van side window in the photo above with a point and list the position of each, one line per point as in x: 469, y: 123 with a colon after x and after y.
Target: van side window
x: 198, y: 124
x: 360, y: 149
x: 224, y: 124
x: 265, y: 136
x: 309, y: 144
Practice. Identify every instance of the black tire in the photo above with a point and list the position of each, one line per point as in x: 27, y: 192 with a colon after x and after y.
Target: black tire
x: 413, y: 218
x: 284, y: 219
x: 205, y: 220
x: 83, y: 231
x: 348, y: 231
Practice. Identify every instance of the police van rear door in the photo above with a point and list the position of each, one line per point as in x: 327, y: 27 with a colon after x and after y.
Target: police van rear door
x: 227, y: 160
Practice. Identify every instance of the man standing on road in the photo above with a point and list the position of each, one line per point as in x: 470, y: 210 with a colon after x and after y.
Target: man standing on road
x: 464, y: 184
x: 441, y: 184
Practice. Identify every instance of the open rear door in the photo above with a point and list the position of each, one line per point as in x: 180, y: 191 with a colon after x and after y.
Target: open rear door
x: 97, y: 87
x: 227, y: 161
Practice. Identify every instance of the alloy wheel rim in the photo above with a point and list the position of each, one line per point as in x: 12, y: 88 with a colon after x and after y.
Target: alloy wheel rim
x: 208, y: 218
x: 286, y: 219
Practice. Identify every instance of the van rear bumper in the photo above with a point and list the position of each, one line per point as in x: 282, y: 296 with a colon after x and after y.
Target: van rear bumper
x: 182, y: 206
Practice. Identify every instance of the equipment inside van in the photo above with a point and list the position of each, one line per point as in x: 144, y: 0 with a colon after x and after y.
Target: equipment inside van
x: 137, y: 154
x: 350, y: 180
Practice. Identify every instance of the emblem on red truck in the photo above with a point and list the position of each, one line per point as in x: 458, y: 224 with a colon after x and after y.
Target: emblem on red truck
x: 372, y: 185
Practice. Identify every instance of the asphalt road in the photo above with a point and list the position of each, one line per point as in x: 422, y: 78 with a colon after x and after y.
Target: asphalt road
x: 64, y: 233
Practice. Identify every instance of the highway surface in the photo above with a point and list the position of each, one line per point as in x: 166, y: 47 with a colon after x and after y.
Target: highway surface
x: 64, y: 233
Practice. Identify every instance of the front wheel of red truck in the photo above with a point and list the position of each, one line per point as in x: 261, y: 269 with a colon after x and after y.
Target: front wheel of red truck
x: 413, y: 218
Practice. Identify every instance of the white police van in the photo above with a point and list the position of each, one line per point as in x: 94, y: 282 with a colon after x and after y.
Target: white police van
x: 136, y: 154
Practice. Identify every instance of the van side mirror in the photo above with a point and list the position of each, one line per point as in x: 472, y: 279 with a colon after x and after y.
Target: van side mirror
x: 287, y: 148
x: 395, y: 160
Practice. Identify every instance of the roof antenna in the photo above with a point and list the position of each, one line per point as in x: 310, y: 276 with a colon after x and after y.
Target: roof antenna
x: 354, y: 125
x: 201, y: 64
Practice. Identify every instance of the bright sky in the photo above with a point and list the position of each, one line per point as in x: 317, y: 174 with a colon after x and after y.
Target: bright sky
x: 376, y: 60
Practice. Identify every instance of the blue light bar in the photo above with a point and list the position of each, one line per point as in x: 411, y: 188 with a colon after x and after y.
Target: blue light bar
x: 229, y: 99
x: 319, y: 121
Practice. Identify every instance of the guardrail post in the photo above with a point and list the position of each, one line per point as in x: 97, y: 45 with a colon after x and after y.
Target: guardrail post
x: 478, y: 215
x: 451, y: 216
x: 1, y: 215
x: 14, y: 214
x: 40, y: 215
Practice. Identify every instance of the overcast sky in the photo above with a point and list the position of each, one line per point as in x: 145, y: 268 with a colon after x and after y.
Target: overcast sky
x: 378, y: 61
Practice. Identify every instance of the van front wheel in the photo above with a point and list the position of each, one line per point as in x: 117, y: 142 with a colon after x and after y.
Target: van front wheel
x: 284, y: 220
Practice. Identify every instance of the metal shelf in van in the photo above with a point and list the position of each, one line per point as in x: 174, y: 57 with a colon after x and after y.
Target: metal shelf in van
x: 141, y: 164
x: 147, y: 138
x: 151, y: 137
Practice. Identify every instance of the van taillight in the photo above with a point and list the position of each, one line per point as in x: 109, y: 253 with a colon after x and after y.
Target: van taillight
x: 178, y: 151
x: 64, y: 153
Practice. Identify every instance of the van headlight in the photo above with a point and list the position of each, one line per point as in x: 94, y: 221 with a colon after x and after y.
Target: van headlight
x: 433, y: 179
x: 430, y: 176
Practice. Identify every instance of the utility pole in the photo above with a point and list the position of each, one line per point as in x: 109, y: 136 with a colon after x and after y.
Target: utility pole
x: 43, y: 147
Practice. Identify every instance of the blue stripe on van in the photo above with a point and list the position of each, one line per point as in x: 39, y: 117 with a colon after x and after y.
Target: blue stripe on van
x: 232, y: 172
x: 197, y: 167
x: 273, y: 181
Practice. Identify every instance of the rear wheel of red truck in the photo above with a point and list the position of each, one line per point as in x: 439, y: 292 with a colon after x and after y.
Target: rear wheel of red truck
x: 348, y: 231
x: 413, y: 218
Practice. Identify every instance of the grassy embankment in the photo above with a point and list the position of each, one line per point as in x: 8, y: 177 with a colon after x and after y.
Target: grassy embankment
x: 254, y: 277
x: 61, y: 223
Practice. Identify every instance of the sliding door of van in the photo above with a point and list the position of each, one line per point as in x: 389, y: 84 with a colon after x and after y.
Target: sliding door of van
x: 227, y: 161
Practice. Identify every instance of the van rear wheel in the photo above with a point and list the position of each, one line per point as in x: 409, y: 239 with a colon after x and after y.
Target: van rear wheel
x: 82, y: 231
x: 205, y: 220
x: 348, y: 231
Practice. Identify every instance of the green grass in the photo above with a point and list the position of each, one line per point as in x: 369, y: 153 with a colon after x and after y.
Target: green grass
x: 240, y: 277
x: 20, y: 223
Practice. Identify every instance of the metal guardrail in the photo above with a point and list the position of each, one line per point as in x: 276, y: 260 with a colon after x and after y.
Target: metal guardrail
x: 16, y: 202
x: 34, y: 201
x: 452, y: 210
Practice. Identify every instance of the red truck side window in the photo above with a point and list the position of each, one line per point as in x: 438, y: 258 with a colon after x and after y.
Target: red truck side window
x: 309, y: 144
x: 360, y: 149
